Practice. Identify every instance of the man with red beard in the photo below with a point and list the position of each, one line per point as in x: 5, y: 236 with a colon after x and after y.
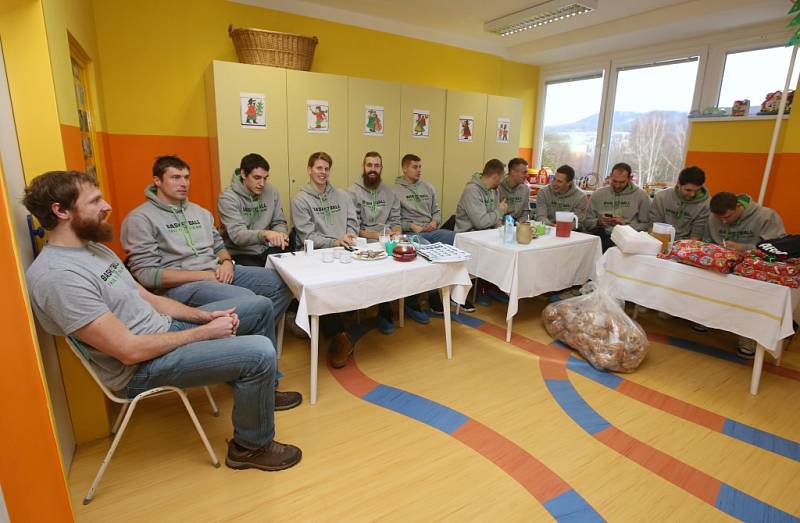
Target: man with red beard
x: 377, y: 207
x: 138, y: 341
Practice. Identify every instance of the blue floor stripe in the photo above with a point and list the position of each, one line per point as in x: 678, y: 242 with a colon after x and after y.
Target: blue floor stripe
x: 570, y: 507
x: 747, y: 508
x: 584, y: 368
x: 575, y: 406
x: 421, y: 409
x: 708, y: 350
x: 760, y: 438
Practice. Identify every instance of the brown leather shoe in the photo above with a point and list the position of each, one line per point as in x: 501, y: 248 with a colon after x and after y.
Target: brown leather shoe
x: 272, y: 456
x: 287, y: 400
x: 342, y: 349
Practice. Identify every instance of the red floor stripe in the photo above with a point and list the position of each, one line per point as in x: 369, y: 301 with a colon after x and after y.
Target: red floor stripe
x: 690, y: 479
x: 674, y: 406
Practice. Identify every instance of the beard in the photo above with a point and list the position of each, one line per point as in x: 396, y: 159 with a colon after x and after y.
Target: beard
x: 371, y: 183
x: 97, y: 230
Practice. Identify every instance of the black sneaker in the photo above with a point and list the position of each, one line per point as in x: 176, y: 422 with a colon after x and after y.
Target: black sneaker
x: 435, y: 304
x: 467, y: 307
x: 287, y: 400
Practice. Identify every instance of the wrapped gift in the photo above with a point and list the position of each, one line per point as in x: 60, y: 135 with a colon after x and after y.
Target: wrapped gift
x: 756, y: 268
x: 778, y: 268
x: 703, y: 255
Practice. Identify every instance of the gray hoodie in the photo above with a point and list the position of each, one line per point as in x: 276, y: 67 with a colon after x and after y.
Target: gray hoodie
x: 756, y: 224
x: 418, y: 203
x: 632, y: 205
x: 244, y: 216
x: 323, y: 218
x: 549, y: 202
x: 477, y: 208
x: 375, y: 208
x: 518, y: 198
x: 689, y: 217
x: 158, y: 236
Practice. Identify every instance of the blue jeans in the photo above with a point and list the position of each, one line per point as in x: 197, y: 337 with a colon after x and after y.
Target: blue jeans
x: 246, y: 361
x: 439, y: 235
x: 247, y: 281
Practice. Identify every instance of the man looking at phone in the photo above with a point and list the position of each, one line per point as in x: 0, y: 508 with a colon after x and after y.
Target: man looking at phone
x: 619, y: 203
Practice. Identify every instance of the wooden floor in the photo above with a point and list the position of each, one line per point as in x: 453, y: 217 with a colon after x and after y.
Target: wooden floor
x: 502, y: 432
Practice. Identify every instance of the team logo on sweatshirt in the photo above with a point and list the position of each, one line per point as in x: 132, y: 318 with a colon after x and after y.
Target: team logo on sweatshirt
x: 113, y: 273
x: 250, y: 210
x: 332, y: 208
x: 178, y: 226
x: 737, y: 234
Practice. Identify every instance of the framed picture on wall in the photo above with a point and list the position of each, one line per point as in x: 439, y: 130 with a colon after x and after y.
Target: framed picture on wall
x: 420, y: 123
x: 317, y: 116
x: 373, y: 120
x: 253, y: 109
x: 503, y: 129
x: 466, y: 127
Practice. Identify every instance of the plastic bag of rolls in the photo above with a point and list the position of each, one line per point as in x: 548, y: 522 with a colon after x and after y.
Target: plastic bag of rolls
x: 596, y: 325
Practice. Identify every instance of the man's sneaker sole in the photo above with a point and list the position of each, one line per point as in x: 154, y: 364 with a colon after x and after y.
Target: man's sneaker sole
x: 467, y: 307
x: 744, y: 353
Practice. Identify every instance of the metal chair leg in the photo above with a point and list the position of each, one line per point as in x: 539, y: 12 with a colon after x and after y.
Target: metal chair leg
x: 214, y: 409
x: 110, y: 453
x: 197, y: 425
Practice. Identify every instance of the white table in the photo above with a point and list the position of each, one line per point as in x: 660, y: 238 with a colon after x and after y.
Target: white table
x: 327, y: 288
x: 754, y: 309
x: 548, y: 263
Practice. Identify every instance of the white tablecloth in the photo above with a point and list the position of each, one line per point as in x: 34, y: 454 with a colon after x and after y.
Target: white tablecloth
x: 325, y: 288
x: 548, y: 263
x: 751, y: 308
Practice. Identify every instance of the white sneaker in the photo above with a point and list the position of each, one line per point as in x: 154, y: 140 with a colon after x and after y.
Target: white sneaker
x: 746, y: 348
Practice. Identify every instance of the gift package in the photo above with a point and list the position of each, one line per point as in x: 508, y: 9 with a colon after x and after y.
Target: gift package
x: 704, y: 255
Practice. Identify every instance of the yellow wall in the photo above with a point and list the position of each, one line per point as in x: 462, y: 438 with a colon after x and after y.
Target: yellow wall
x: 164, y: 96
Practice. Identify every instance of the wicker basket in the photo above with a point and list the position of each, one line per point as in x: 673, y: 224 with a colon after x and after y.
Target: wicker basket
x: 260, y: 47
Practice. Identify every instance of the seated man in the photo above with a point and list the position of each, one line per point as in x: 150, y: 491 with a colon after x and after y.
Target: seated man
x: 561, y: 196
x: 737, y: 222
x: 377, y: 208
x: 250, y: 211
x: 326, y: 216
x: 173, y: 246
x: 685, y: 207
x: 139, y: 341
x: 480, y: 207
x: 620, y: 203
x: 420, y: 214
x: 515, y: 191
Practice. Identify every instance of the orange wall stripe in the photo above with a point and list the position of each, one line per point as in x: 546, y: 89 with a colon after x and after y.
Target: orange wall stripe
x: 73, y: 150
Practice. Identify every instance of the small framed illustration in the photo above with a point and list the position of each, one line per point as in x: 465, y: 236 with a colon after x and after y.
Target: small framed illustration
x: 466, y: 127
x: 373, y: 120
x: 503, y: 129
x: 253, y: 110
x: 420, y: 123
x: 317, y: 116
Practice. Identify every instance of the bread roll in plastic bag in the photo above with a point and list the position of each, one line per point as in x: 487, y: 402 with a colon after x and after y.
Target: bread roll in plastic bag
x: 596, y: 325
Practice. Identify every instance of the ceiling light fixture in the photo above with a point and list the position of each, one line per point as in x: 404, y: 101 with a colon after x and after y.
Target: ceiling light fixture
x: 539, y: 15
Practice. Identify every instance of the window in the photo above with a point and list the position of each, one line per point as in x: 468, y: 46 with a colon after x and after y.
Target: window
x: 752, y: 74
x: 571, y: 115
x: 649, y: 123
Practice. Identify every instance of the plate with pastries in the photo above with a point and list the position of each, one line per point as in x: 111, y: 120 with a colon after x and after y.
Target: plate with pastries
x: 369, y: 254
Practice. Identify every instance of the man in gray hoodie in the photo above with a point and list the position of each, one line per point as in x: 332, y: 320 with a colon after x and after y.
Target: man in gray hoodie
x: 253, y: 224
x: 480, y: 207
x: 377, y: 209
x: 515, y: 191
x: 173, y: 247
x: 737, y: 222
x: 620, y: 203
x: 561, y: 196
x: 685, y: 207
x: 327, y: 217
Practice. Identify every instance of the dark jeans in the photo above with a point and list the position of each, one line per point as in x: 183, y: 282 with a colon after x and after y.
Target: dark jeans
x: 605, y: 237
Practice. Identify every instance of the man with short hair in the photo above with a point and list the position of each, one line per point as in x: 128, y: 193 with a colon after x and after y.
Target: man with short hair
x: 253, y: 224
x: 420, y: 214
x: 377, y: 208
x: 736, y: 222
x: 173, y: 247
x: 620, y: 203
x: 137, y: 340
x: 514, y: 189
x: 685, y: 207
x: 480, y: 207
x: 326, y: 216
x: 561, y: 195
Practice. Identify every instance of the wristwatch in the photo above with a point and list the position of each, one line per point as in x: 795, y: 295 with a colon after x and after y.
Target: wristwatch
x: 220, y: 262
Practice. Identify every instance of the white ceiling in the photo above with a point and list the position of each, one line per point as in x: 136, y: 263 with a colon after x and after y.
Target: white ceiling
x: 616, y: 25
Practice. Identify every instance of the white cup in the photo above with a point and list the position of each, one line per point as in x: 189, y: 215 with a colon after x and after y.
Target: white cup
x: 308, y: 247
x: 327, y: 256
x: 361, y: 242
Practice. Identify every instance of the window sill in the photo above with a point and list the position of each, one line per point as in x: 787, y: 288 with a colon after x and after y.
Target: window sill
x: 736, y: 118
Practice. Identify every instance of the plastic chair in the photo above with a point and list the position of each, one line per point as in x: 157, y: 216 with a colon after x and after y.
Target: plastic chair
x: 128, y: 406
